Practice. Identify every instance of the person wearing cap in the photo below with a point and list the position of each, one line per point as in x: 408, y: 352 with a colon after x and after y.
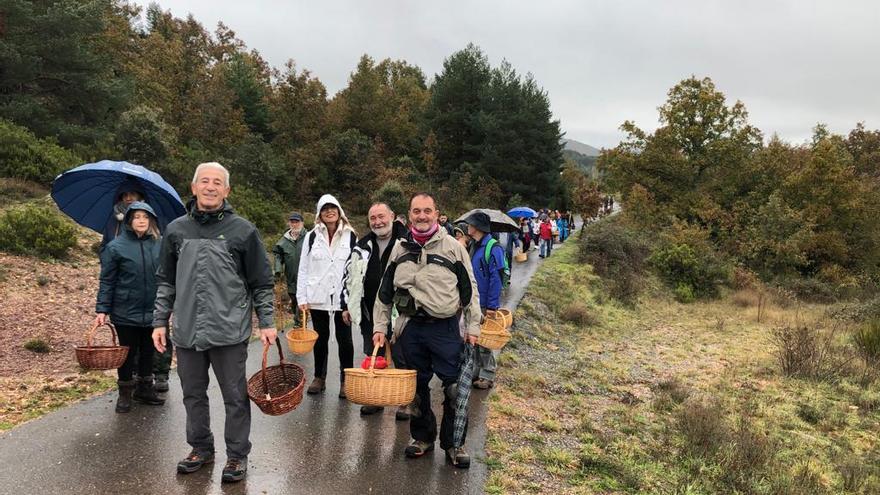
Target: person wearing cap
x: 319, y: 287
x: 488, y: 275
x: 287, y: 252
x: 429, y: 282
x: 126, y: 295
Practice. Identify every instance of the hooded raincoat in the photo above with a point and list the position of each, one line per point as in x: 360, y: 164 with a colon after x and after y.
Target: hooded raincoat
x: 322, y: 263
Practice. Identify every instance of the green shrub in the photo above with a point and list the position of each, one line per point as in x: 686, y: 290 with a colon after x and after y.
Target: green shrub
x: 18, y: 190
x: 266, y: 212
x: 687, y: 262
x: 617, y: 253
x: 684, y: 293
x: 811, y: 290
x: 867, y: 341
x: 37, y: 345
x: 36, y: 229
x: 393, y: 194
x: 24, y: 156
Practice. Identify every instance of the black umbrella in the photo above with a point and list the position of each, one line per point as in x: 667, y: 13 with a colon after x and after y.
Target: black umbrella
x: 499, y: 220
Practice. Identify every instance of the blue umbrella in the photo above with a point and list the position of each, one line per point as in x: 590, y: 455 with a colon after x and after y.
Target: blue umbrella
x: 522, y: 212
x: 87, y: 193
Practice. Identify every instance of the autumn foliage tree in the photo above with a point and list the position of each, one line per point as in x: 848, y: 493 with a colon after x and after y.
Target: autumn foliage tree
x: 782, y: 210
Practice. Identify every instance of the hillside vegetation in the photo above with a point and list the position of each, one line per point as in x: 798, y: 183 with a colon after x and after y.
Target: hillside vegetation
x: 751, y: 392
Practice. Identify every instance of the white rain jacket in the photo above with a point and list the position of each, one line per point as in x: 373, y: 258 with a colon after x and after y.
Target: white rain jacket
x: 322, y: 264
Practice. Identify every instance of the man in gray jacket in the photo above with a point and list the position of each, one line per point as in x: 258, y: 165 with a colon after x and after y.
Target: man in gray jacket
x: 213, y: 273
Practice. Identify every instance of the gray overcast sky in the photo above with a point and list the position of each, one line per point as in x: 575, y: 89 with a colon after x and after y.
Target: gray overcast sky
x: 793, y: 63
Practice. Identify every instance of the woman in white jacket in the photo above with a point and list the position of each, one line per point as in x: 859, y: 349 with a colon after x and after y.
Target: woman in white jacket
x: 319, y: 285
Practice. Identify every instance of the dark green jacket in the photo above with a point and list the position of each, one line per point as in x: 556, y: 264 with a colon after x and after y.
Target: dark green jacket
x: 213, y: 275
x: 287, y: 252
x: 127, y: 290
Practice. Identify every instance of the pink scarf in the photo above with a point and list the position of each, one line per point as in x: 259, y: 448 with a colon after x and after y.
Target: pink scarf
x: 422, y: 237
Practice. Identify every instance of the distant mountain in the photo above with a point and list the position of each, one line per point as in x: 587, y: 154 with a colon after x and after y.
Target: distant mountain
x: 582, y: 148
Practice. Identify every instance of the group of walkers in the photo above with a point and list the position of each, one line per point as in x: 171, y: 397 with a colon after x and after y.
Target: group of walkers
x: 415, y: 281
x: 542, y: 232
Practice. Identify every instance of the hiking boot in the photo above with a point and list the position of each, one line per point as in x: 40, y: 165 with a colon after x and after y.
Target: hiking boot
x: 162, y: 383
x: 368, y: 410
x: 418, y: 448
x: 234, y: 470
x: 483, y: 384
x: 317, y: 386
x: 194, y: 461
x: 123, y: 402
x: 458, y: 457
x: 146, y: 392
x: 402, y: 413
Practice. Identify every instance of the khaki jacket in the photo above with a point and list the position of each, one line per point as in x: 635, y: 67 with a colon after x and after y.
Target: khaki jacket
x: 433, y: 287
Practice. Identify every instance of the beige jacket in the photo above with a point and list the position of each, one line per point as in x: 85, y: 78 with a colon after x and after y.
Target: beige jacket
x: 433, y: 287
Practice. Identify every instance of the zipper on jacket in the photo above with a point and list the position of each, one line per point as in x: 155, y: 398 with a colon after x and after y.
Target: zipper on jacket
x: 144, y: 269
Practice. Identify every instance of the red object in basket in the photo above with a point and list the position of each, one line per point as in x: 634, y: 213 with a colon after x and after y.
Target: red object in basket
x: 381, y: 364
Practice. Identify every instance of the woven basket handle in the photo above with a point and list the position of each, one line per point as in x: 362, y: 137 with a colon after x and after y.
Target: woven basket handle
x: 305, y: 319
x: 90, y: 333
x: 263, y: 369
x: 387, y: 356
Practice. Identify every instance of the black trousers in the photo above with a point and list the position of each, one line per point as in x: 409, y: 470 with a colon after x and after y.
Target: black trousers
x: 140, y: 348
x: 321, y: 321
x: 433, y: 348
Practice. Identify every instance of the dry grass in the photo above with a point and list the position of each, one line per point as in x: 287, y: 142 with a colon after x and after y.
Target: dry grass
x: 671, y: 398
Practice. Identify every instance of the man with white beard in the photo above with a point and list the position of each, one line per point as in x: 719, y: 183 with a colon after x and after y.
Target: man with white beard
x: 372, y: 249
x: 287, y: 253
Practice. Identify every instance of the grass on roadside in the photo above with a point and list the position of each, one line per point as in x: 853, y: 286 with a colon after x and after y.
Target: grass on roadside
x: 29, y: 398
x: 661, y: 397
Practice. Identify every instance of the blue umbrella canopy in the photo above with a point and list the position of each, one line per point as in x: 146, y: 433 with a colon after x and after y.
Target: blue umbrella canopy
x: 522, y: 212
x: 87, y: 193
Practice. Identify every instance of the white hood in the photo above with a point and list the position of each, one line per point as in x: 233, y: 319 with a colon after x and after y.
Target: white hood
x: 329, y: 199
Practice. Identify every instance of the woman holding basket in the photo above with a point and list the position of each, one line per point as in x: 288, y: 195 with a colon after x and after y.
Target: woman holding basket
x: 126, y: 295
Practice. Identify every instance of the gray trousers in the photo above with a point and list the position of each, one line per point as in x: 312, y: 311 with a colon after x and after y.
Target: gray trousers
x: 485, y: 365
x: 229, y: 368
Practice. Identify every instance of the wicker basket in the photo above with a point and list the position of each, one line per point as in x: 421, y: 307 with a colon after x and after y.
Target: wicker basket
x: 278, y: 389
x: 493, y: 334
x: 521, y: 257
x: 302, y: 340
x: 502, y: 315
x: 101, y: 357
x: 388, y: 387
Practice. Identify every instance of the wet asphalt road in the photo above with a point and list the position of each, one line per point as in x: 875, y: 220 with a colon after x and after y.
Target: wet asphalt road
x: 322, y: 447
